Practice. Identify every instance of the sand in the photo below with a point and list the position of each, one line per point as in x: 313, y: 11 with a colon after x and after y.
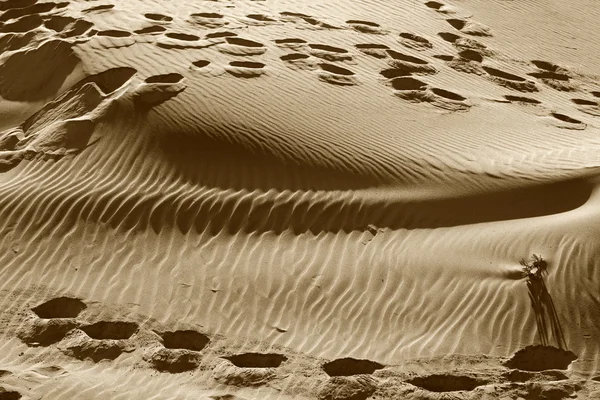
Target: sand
x: 269, y: 199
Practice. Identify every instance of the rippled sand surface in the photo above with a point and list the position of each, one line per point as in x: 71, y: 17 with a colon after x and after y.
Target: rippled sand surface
x: 299, y: 200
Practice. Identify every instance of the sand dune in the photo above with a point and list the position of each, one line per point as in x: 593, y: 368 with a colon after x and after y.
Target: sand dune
x: 262, y: 199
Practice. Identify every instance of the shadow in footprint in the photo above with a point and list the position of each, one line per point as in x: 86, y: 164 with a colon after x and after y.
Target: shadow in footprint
x: 112, y: 330
x: 351, y: 366
x: 446, y: 382
x: 257, y: 360
x: 188, y: 340
x: 60, y: 307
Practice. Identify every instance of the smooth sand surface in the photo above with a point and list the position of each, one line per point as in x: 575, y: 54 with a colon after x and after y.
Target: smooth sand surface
x: 299, y: 200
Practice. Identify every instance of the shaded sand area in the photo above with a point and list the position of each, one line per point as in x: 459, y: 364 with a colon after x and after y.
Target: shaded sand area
x: 296, y: 200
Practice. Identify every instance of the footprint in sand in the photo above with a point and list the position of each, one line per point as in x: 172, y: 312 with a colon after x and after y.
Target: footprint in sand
x: 442, y: 383
x: 522, y: 100
x: 590, y: 107
x: 468, y: 61
x: 440, y: 7
x: 241, y: 47
x: 417, y: 91
x: 366, y: 27
x: 509, y: 80
x: 246, y: 69
x: 99, y: 8
x: 150, y: 30
x: 180, y: 351
x: 157, y: 89
x: 415, y: 42
x: 53, y: 320
x: 329, y: 53
x: 219, y: 35
x: 208, y: 19
x: 373, y: 49
x: 158, y: 17
x: 309, y: 22
x: 259, y: 20
x: 102, y: 340
x: 350, y: 375
x: 553, y: 76
x: 410, y: 63
x: 292, y: 43
x: 249, y: 369
x: 566, y: 122
x: 335, y: 75
x: 299, y: 61
x: 470, y: 27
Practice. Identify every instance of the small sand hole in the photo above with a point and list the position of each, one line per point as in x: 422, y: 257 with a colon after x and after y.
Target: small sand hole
x: 151, y: 29
x: 351, y: 366
x: 436, y: 5
x: 165, y: 78
x: 548, y: 66
x: 60, y: 307
x: 416, y: 38
x: 188, y: 340
x: 115, y: 330
x: 373, y: 46
x: 549, y: 75
x: 290, y: 41
x: 257, y: 360
x: 215, y: 35
x: 392, y: 73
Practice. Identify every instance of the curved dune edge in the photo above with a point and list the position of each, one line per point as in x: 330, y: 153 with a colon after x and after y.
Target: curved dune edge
x: 256, y: 199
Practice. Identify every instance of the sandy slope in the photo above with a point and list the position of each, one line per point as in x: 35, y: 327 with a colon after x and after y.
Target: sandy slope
x: 187, y: 182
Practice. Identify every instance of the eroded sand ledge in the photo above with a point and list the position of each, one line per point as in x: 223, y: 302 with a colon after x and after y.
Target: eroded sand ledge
x: 248, y: 200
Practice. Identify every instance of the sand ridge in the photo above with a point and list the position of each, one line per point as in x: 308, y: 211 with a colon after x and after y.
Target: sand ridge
x: 230, y: 199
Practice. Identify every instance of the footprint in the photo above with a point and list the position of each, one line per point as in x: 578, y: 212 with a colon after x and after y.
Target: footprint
x: 246, y: 69
x: 7, y: 394
x: 440, y: 7
x: 218, y: 35
x: 116, y: 33
x: 447, y: 100
x: 158, y: 17
x: 335, y: 75
x: 200, y: 63
x: 595, y: 93
x: 446, y: 382
x: 588, y: 106
x: 257, y: 360
x: 351, y: 366
x: 566, y: 122
x: 468, y: 61
x: 443, y: 57
x: 102, y: 7
x: 151, y: 29
x: 291, y: 43
x: 410, y: 63
x: 103, y: 340
x: 373, y: 49
x: 180, y: 352
x: 241, y: 47
x: 208, y: 19
x: 521, y: 99
x: 415, y: 42
x: 330, y: 53
x: 259, y: 20
x: 392, y: 73
x: 470, y: 27
x: 60, y: 307
x: 177, y: 40
x: 509, y: 80
x: 449, y: 37
x: 313, y: 22
x: 159, y: 88
x: 553, y: 76
x: 365, y: 26
x: 299, y: 61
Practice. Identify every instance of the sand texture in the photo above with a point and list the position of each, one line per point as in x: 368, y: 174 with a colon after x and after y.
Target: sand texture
x: 276, y: 199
